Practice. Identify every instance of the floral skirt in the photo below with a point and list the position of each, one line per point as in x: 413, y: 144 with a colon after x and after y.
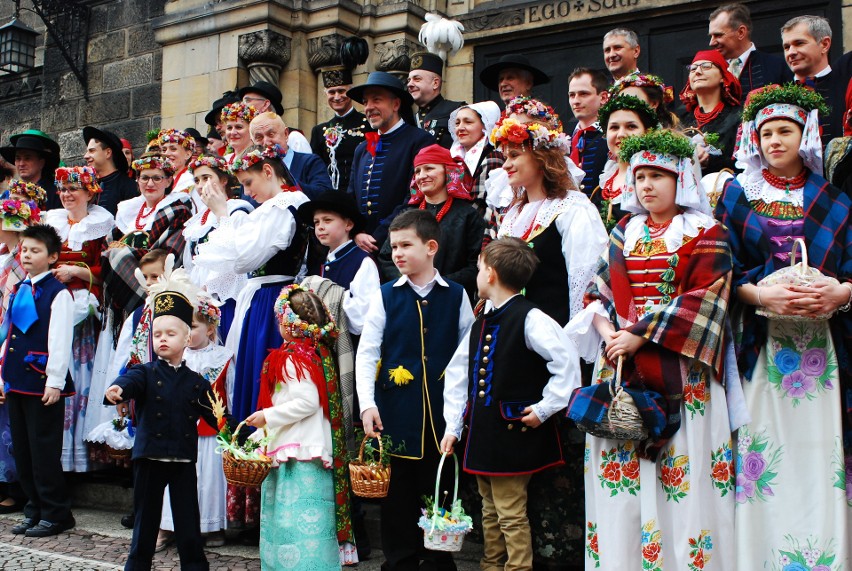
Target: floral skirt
x: 794, y: 510
x: 242, y: 507
x: 673, y: 513
x: 297, y: 525
x: 75, y: 455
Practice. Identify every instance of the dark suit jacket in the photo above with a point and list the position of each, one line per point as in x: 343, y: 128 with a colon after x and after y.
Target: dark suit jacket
x: 309, y: 171
x: 434, y: 119
x: 761, y: 69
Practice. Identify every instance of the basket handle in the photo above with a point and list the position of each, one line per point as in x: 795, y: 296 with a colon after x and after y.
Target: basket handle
x: 438, y: 487
x: 363, y: 443
x: 804, y: 264
x: 615, y: 387
x: 237, y: 432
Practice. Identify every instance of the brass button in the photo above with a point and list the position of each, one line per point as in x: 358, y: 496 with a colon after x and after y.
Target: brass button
x: 425, y: 302
x: 481, y: 383
x: 524, y: 429
x: 485, y: 360
x: 582, y: 187
x: 327, y: 268
x: 481, y: 394
x: 482, y: 372
x: 488, y: 338
x: 159, y: 383
x: 369, y: 203
x: 14, y: 336
x: 510, y: 426
x: 85, y: 255
x: 425, y: 330
x: 369, y: 212
x: 486, y: 348
x: 44, y: 376
x: 425, y: 358
x: 11, y: 349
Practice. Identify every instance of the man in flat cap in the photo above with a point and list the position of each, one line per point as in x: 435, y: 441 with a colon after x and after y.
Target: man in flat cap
x: 335, y: 140
x: 424, y: 85
x: 105, y: 154
x: 35, y: 156
x: 512, y: 76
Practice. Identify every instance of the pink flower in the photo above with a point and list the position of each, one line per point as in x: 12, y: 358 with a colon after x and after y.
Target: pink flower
x: 745, y: 489
x: 797, y: 384
x: 813, y: 362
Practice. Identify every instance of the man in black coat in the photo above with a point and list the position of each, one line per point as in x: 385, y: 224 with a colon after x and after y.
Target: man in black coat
x: 424, y: 84
x: 730, y: 35
x: 104, y: 153
x: 35, y: 156
x: 587, y: 91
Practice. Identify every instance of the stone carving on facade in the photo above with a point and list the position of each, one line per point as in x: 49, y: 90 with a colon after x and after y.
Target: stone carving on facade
x: 394, y: 56
x: 265, y: 53
x: 324, y: 51
x: 494, y: 20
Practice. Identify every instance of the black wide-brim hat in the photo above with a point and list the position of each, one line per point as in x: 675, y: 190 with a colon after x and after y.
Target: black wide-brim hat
x: 201, y: 140
x: 334, y: 201
x: 268, y: 90
x: 112, y: 141
x: 37, y: 141
x: 384, y: 80
x: 227, y: 98
x: 490, y: 75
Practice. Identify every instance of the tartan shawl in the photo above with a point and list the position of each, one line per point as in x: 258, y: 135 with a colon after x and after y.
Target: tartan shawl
x: 122, y: 292
x: 691, y: 327
x: 490, y: 160
x: 828, y: 237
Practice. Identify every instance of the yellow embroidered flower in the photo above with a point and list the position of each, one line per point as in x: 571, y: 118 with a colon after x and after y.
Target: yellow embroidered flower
x: 400, y: 376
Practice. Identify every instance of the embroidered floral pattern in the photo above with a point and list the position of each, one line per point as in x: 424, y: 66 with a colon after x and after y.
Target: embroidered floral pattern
x: 695, y: 392
x: 806, y: 556
x: 842, y: 470
x: 722, y: 470
x: 801, y: 362
x: 587, y: 455
x: 700, y: 550
x: 592, y: 543
x: 674, y: 472
x: 652, y: 546
x: 756, y: 461
x: 619, y: 469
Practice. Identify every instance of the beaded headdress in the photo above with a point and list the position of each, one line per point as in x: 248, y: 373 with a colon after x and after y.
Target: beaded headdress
x: 638, y: 79
x: 31, y: 190
x: 154, y: 161
x: 251, y: 157
x: 84, y: 176
x: 238, y: 111
x: 177, y: 136
x: 510, y: 131
x: 295, y: 325
x: 215, y: 163
x: 534, y: 109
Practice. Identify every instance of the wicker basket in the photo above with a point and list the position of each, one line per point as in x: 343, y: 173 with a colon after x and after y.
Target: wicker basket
x: 244, y: 473
x: 118, y: 453
x: 443, y: 540
x: 369, y: 480
x: 623, y: 421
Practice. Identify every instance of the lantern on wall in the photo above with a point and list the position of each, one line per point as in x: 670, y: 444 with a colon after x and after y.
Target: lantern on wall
x: 17, y: 45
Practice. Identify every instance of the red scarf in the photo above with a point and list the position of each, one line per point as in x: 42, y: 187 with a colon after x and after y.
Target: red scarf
x: 302, y: 353
x: 372, y: 142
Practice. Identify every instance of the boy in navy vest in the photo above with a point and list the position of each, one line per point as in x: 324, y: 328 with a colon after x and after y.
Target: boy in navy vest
x: 517, y: 370
x: 36, y: 355
x: 409, y: 334
x: 169, y: 399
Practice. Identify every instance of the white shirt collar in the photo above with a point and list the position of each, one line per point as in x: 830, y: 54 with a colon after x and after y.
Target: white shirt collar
x: 424, y: 289
x: 351, y: 109
x: 399, y: 124
x: 332, y: 255
x: 744, y: 56
x: 506, y: 301
x: 35, y: 279
x: 175, y: 367
x: 825, y: 71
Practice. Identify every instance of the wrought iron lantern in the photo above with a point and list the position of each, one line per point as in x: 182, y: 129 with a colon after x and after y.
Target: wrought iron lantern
x: 17, y: 46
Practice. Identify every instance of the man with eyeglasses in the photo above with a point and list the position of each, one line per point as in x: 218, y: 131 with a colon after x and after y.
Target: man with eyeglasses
x: 730, y: 35
x: 264, y: 97
x: 105, y: 154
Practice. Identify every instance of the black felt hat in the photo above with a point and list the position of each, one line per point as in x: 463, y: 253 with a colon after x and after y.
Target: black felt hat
x: 173, y: 303
x: 112, y: 141
x: 427, y: 61
x: 268, y: 91
x: 213, y: 116
x: 335, y: 76
x: 33, y: 140
x: 490, y: 75
x: 197, y: 136
x: 384, y: 80
x: 337, y: 201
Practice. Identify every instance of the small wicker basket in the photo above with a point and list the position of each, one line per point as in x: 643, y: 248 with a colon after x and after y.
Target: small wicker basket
x: 118, y: 453
x: 623, y: 421
x: 243, y: 472
x: 437, y: 539
x: 369, y: 479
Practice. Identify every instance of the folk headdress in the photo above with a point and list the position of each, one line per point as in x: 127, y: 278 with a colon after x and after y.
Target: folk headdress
x: 796, y: 103
x: 625, y: 102
x: 208, y: 310
x: 254, y: 155
x: 177, y: 136
x: 534, y: 135
x: 238, y: 112
x: 215, y: 163
x: 457, y: 177
x: 296, y: 326
x: 17, y: 213
x: 535, y: 110
x: 489, y: 114
x: 84, y: 176
x: 639, y: 79
x: 732, y: 91
x: 154, y: 161
x: 174, y: 294
x: 31, y: 191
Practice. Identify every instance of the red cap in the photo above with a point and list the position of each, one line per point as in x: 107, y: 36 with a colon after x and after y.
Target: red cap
x: 125, y: 144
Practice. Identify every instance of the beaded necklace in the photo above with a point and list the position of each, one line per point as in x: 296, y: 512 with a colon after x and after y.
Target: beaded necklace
x: 784, y: 183
x: 702, y: 118
x: 444, y: 209
x: 142, y: 216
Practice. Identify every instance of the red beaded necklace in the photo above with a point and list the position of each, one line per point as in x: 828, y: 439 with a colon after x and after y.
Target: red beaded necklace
x: 607, y: 192
x: 656, y: 230
x: 444, y: 209
x: 702, y: 118
x: 142, y: 214
x: 785, y: 183
x: 205, y: 216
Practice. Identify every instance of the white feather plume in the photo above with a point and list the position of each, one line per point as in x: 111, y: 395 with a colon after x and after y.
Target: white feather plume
x: 176, y: 280
x: 441, y: 36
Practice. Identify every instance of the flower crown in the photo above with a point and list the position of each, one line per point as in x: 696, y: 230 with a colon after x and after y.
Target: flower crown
x: 209, y: 311
x: 298, y: 327
x: 657, y: 142
x: 250, y: 158
x: 523, y: 105
x: 31, y: 190
x: 238, y: 111
x: 637, y: 79
x: 25, y: 210
x: 177, y: 136
x: 624, y: 102
x: 512, y: 132
x: 84, y: 176
x: 210, y: 161
x: 791, y: 94
x: 154, y: 161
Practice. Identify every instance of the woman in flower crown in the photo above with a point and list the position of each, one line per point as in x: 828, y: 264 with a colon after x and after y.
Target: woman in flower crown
x: 796, y: 362
x: 179, y: 147
x: 84, y: 228
x: 212, y: 183
x: 668, y: 500
x: 237, y: 117
x: 300, y: 409
x: 268, y: 244
x: 652, y: 90
x: 620, y: 117
x: 559, y: 222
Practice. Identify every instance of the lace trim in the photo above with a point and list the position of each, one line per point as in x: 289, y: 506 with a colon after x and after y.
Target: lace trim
x: 125, y: 218
x: 763, y: 191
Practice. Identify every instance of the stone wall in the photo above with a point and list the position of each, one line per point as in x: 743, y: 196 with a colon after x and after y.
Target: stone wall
x: 124, y: 80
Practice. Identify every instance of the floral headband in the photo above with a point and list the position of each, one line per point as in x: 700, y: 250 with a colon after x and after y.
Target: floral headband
x: 623, y: 102
x: 208, y: 311
x: 16, y: 215
x: 512, y: 132
x: 177, y: 136
x: 522, y: 105
x: 637, y: 79
x: 32, y: 191
x: 154, y: 161
x: 215, y: 163
x: 250, y: 158
x: 84, y: 176
x: 238, y: 111
x: 298, y: 327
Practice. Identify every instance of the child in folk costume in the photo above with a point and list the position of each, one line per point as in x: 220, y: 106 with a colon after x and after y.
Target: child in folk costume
x: 215, y: 363
x: 514, y: 373
x: 659, y: 301
x: 300, y: 407
x: 212, y: 183
x: 84, y: 229
x: 793, y: 490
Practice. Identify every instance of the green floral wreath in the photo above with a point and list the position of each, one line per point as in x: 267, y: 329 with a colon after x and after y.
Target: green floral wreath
x: 660, y: 141
x: 791, y: 93
x: 625, y: 102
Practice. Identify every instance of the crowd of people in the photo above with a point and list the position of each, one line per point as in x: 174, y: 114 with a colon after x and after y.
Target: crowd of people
x: 459, y: 278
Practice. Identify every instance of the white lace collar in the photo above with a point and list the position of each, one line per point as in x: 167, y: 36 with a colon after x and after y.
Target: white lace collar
x: 755, y: 187
x: 96, y: 224
x: 128, y: 210
x: 285, y: 200
x: 471, y: 157
x: 689, y: 224
x: 525, y: 219
x: 197, y: 227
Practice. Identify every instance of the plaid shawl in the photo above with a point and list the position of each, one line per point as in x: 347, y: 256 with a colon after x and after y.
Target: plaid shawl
x: 122, y: 292
x: 490, y: 160
x: 689, y: 328
x: 828, y: 236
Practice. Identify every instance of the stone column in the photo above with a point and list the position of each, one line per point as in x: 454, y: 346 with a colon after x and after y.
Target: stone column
x: 265, y: 54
